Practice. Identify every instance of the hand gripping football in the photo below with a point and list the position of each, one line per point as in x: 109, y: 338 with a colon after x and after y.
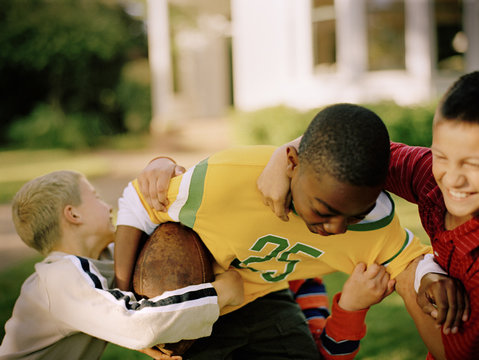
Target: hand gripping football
x: 173, y: 257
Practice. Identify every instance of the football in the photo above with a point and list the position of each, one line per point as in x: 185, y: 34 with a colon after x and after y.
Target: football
x: 171, y: 258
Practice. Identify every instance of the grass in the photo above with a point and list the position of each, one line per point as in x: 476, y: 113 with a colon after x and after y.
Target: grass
x: 19, y: 166
x: 391, y: 332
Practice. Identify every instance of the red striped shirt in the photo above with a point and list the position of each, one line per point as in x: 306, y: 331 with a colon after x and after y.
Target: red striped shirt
x: 457, y: 250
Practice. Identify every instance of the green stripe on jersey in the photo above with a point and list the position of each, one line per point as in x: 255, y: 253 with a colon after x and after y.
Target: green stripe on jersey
x: 409, y: 237
x: 377, y: 224
x: 195, y: 195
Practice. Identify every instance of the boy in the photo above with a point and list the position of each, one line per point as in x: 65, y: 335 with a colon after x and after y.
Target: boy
x: 334, y: 192
x: 365, y: 287
x: 444, y: 182
x: 68, y: 308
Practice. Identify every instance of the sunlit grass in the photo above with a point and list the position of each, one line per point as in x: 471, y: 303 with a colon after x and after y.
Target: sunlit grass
x: 20, y: 166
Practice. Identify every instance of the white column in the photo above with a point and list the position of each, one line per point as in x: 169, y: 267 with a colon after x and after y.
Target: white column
x: 160, y: 64
x: 471, y: 27
x: 351, y: 37
x: 420, y: 38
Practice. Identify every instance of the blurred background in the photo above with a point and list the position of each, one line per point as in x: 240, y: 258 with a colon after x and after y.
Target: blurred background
x: 102, y: 86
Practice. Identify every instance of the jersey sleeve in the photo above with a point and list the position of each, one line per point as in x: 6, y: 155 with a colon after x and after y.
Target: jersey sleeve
x: 343, y: 332
x: 409, y: 171
x: 337, y: 335
x: 80, y: 299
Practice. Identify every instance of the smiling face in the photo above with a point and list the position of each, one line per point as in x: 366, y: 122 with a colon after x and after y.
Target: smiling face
x: 326, y: 205
x: 455, y: 149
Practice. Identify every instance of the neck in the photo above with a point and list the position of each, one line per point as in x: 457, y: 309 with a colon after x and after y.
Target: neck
x: 79, y: 247
x: 452, y: 222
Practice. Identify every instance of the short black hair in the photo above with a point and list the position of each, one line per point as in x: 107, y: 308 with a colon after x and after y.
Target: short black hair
x: 350, y: 143
x: 461, y: 101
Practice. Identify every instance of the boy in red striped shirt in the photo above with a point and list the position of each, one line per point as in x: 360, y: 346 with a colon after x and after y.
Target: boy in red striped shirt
x: 444, y: 182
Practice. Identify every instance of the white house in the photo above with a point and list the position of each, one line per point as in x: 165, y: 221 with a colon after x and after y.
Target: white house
x: 308, y: 53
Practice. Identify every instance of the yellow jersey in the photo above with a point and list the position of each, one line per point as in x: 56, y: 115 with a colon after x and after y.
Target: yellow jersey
x: 218, y: 198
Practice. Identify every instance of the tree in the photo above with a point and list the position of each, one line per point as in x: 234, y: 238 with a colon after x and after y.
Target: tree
x: 67, y: 54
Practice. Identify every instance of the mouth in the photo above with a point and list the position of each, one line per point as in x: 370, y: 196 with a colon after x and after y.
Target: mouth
x: 458, y: 195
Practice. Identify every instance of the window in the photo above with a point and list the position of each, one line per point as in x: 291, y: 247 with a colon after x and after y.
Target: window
x: 385, y: 26
x: 324, y: 34
x: 450, y: 39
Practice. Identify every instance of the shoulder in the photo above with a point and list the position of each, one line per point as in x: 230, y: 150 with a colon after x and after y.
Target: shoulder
x: 59, y: 270
x: 255, y: 155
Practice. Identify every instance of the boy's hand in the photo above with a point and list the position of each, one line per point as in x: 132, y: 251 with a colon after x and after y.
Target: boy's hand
x: 229, y: 287
x: 445, y: 299
x: 274, y: 184
x: 154, y: 181
x: 157, y: 354
x: 366, y: 286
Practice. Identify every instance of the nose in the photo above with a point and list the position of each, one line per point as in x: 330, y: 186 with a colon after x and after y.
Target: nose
x: 453, y: 177
x: 336, y: 225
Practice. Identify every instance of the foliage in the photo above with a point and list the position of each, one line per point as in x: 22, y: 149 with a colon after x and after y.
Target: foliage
x: 134, y: 95
x: 408, y: 124
x: 277, y: 125
x: 67, y: 54
x: 50, y: 127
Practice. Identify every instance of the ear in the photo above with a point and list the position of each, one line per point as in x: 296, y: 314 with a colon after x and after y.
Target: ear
x: 293, y: 160
x: 72, y: 215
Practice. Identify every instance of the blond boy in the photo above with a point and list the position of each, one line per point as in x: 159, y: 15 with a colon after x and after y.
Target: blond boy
x: 68, y: 309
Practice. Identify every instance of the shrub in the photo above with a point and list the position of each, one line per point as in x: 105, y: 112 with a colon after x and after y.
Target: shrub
x: 49, y: 127
x: 277, y: 125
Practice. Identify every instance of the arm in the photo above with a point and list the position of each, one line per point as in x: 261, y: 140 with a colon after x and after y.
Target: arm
x: 127, y: 240
x: 274, y: 184
x: 409, y: 171
x: 429, y: 332
x: 81, y: 301
x: 365, y: 287
x: 442, y: 297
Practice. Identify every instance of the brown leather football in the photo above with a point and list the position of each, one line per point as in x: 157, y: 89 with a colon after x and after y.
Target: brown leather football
x: 173, y: 257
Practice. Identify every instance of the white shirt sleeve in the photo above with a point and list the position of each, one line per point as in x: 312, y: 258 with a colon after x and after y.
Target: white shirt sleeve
x: 425, y: 266
x: 80, y: 300
x: 131, y: 211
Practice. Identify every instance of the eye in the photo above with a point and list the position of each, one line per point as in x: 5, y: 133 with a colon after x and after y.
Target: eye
x: 474, y: 165
x: 438, y: 157
x: 322, y: 215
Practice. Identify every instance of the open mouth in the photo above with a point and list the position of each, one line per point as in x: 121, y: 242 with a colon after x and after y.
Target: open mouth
x: 458, y: 195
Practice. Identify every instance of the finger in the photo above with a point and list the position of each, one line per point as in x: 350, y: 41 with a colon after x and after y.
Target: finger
x: 459, y: 310
x: 360, y: 268
x: 152, y: 197
x: 426, y: 305
x: 279, y: 208
x: 390, y: 287
x: 179, y: 170
x: 374, y: 270
x: 287, y: 205
x: 162, y: 194
x: 467, y: 308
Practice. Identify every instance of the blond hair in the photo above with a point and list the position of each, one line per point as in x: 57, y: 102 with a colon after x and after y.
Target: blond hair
x: 37, y: 206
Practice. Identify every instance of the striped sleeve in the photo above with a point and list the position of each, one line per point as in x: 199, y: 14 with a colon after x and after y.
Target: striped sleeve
x: 337, y: 335
x: 80, y: 299
x: 409, y: 171
x: 343, y: 331
x: 312, y: 298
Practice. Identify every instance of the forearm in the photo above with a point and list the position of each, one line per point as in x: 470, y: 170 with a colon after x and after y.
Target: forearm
x: 425, y: 324
x: 127, y: 241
